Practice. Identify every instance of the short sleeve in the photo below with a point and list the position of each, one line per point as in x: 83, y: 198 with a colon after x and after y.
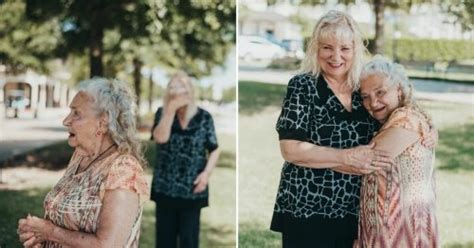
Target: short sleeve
x: 408, y: 119
x: 293, y: 122
x: 211, y: 138
x: 126, y: 173
x: 156, y: 120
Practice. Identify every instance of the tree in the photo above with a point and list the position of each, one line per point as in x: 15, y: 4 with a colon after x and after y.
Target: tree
x: 463, y: 12
x: 379, y: 7
x: 83, y: 24
x: 25, y: 44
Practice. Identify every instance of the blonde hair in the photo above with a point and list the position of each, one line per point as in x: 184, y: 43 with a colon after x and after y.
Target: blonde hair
x: 336, y: 25
x: 182, y: 77
x: 114, y: 98
x: 395, y: 75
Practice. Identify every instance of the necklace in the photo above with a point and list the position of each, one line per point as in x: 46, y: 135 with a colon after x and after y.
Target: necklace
x: 95, y: 159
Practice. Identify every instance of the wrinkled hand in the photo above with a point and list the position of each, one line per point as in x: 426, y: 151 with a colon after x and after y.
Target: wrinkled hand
x: 200, y: 183
x: 33, y: 230
x: 431, y: 140
x: 366, y: 159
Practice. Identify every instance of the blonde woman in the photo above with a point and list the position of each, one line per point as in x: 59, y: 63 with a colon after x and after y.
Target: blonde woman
x: 397, y: 207
x: 186, y: 155
x: 99, y: 200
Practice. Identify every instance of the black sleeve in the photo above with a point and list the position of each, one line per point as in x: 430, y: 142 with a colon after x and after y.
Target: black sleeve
x: 211, y: 138
x: 293, y: 122
x: 156, y: 121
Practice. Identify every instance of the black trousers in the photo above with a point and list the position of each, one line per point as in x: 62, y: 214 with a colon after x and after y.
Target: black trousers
x: 306, y: 241
x: 176, y: 226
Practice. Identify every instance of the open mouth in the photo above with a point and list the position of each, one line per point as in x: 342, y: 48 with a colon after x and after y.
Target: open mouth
x: 335, y: 65
x: 71, y: 135
x: 376, y: 111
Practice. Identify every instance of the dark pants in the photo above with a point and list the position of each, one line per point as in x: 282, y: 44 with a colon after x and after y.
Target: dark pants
x: 305, y: 241
x: 174, y: 224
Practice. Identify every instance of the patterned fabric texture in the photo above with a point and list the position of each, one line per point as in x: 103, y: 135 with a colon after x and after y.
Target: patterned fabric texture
x: 76, y: 200
x: 312, y: 113
x: 398, y: 209
x: 183, y: 157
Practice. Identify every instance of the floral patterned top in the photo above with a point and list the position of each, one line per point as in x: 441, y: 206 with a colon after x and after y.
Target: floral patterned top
x: 76, y: 200
x: 398, y: 209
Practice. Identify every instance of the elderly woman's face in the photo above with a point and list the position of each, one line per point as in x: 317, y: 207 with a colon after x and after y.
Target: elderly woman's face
x: 82, y: 122
x: 379, y: 97
x: 335, y: 57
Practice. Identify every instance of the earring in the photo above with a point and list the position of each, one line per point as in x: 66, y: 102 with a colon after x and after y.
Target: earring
x: 98, y: 133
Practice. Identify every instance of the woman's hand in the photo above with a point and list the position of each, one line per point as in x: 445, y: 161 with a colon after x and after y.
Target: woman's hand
x: 201, y: 182
x: 179, y: 101
x: 33, y: 230
x: 431, y: 139
x: 367, y: 159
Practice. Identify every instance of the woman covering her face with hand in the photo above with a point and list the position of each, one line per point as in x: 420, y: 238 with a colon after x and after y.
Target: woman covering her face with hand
x: 398, y: 206
x: 99, y: 200
x: 186, y: 155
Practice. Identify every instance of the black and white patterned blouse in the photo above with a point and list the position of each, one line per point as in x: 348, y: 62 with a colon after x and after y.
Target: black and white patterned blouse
x: 321, y: 201
x: 181, y: 159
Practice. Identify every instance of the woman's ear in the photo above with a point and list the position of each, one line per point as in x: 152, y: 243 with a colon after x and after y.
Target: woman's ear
x: 103, y: 121
x: 400, y: 93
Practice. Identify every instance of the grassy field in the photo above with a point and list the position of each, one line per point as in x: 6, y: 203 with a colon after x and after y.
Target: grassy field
x: 217, y: 221
x: 260, y: 166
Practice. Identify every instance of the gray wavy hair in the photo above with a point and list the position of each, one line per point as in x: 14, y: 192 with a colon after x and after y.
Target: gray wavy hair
x: 336, y: 25
x: 114, y: 98
x: 395, y: 75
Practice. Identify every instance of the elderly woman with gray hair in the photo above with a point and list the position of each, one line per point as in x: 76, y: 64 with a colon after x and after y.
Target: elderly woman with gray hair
x: 186, y: 155
x: 99, y: 200
x: 398, y: 206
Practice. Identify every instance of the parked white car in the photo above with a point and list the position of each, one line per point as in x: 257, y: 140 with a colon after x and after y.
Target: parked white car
x: 259, y: 48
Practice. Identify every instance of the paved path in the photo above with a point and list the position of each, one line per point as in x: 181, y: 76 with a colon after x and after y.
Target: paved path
x: 24, y: 134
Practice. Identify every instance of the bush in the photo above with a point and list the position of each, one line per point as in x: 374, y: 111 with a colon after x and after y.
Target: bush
x: 427, y: 49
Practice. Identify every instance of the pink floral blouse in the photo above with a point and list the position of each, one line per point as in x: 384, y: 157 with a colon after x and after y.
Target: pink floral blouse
x: 398, y: 209
x: 76, y: 200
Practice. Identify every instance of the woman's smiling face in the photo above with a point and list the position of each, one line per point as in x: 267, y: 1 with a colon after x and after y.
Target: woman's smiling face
x: 335, y: 56
x: 380, y: 97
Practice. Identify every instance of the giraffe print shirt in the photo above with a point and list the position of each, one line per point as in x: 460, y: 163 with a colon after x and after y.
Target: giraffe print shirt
x: 181, y: 159
x: 312, y: 113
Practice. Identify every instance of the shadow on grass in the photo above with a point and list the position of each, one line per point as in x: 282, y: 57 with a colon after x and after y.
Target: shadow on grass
x: 469, y: 244
x: 52, y: 157
x: 17, y: 204
x: 254, y: 96
x: 226, y: 160
x: 255, y: 235
x: 454, y: 151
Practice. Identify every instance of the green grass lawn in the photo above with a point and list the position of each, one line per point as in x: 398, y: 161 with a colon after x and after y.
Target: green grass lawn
x: 217, y: 221
x: 260, y: 166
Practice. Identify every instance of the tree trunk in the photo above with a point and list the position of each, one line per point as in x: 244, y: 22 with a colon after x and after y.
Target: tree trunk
x: 137, y: 80
x: 95, y: 42
x: 150, y: 93
x: 379, y: 7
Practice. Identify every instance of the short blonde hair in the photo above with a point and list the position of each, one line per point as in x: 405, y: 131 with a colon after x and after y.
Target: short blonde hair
x: 335, y: 25
x: 182, y: 77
